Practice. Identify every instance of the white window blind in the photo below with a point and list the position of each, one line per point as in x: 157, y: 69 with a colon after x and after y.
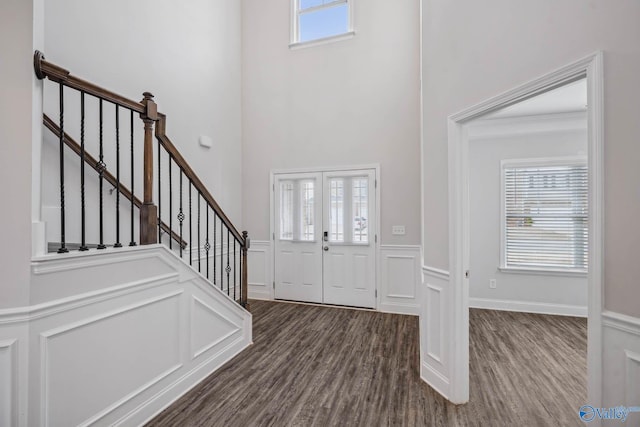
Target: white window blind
x: 545, y: 216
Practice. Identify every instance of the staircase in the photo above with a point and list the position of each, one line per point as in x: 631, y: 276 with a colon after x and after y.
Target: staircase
x: 145, y: 292
x: 178, y: 211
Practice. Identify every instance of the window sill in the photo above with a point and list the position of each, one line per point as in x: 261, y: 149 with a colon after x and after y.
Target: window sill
x: 325, y: 40
x: 543, y: 271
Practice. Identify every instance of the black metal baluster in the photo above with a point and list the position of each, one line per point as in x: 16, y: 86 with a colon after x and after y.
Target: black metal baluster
x: 181, y: 215
x: 160, y: 196
x: 102, y: 168
x: 117, y: 244
x: 83, y: 238
x: 215, y: 220
x: 228, y: 269
x: 199, y: 254
x: 63, y: 246
x: 171, y: 208
x: 207, y: 246
x: 190, y: 227
x: 235, y: 264
x: 133, y: 240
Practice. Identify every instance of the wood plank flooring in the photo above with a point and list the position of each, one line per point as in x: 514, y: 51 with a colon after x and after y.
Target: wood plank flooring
x: 325, y: 366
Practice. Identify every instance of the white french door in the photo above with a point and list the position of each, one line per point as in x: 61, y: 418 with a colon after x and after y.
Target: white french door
x: 325, y: 227
x: 298, y: 237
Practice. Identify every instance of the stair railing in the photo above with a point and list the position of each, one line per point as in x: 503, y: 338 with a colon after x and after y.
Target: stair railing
x: 220, y: 249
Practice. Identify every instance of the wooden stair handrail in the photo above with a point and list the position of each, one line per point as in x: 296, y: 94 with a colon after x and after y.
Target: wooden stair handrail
x: 44, y: 68
x: 191, y: 175
x: 150, y: 116
x: 91, y: 161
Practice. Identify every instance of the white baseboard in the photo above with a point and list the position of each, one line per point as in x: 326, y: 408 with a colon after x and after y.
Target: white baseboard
x: 528, y: 307
x: 399, y: 308
x: 260, y: 293
x: 435, y: 380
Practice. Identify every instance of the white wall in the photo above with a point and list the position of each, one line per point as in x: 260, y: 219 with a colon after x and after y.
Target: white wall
x: 559, y: 135
x: 350, y: 102
x: 476, y: 50
x: 186, y: 54
x: 16, y: 101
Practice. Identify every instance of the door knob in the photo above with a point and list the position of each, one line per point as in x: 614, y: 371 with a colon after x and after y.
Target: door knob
x: 326, y: 248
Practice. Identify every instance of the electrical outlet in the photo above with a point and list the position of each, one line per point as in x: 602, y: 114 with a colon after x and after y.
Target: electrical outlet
x: 492, y: 283
x: 398, y: 230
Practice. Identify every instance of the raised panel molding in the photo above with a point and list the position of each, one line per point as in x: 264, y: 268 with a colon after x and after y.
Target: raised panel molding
x: 621, y: 362
x: 260, y: 270
x: 206, y: 336
x: 434, y: 332
x: 399, y: 279
x: 114, y: 355
x: 399, y: 274
x: 8, y: 383
x: 65, y: 331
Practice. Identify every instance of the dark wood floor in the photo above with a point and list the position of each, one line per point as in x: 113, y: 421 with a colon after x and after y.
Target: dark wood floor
x: 323, y: 366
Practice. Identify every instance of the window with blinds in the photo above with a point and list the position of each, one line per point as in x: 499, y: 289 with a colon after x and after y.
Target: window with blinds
x: 545, y: 215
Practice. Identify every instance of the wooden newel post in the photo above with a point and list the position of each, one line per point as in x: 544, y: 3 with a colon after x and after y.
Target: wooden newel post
x: 148, y: 211
x: 244, y: 301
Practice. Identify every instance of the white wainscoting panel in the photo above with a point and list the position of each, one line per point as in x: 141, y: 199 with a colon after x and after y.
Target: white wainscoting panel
x: 621, y: 362
x: 435, y: 333
x: 400, y: 279
x: 119, y: 353
x: 260, y: 270
x: 8, y: 383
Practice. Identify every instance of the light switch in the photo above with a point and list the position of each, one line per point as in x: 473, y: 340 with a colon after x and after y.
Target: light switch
x: 398, y: 230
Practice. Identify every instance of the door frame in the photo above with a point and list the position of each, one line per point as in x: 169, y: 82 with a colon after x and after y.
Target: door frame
x: 591, y: 68
x: 272, y: 215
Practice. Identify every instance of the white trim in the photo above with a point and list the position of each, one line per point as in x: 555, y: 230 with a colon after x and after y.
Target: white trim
x: 543, y: 272
x: 197, y: 353
x: 208, y: 366
x: 325, y: 40
x: 621, y: 322
x: 11, y: 347
x: 261, y: 291
x: 435, y: 379
x: 525, y: 163
x: 46, y: 336
x: 272, y: 212
x: 38, y: 311
x: 528, y: 307
x: 590, y: 67
x: 435, y: 272
x: 393, y: 301
x: 294, y: 35
x: 489, y: 129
